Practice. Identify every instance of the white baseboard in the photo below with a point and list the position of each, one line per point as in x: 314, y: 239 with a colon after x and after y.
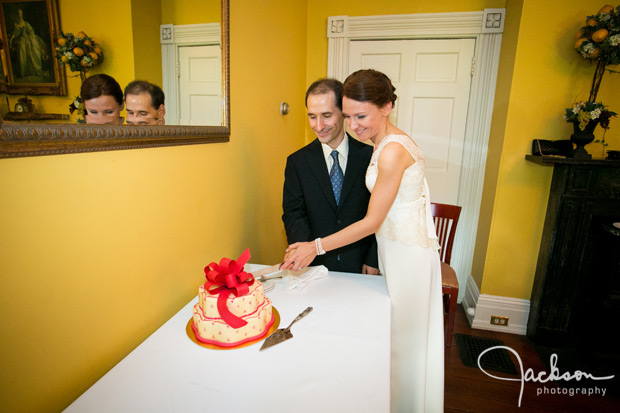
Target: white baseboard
x: 484, y: 306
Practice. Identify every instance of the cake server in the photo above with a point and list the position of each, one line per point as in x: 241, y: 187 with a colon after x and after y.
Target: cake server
x: 283, y: 334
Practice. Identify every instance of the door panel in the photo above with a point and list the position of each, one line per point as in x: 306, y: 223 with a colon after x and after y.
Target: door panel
x: 200, y: 85
x: 432, y: 80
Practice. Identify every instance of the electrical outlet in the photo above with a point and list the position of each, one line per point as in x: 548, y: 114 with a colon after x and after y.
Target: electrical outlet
x: 499, y: 321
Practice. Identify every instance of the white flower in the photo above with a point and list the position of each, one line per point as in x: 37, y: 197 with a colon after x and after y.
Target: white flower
x: 615, y: 40
x: 595, y: 113
x: 603, y: 17
x: 589, y: 48
x: 69, y: 55
x: 578, y: 107
x: 586, y: 49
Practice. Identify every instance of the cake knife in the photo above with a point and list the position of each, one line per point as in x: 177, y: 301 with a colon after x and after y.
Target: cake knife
x: 283, y: 334
x: 258, y: 274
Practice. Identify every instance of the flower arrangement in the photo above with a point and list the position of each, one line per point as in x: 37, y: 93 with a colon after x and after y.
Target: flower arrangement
x: 584, y: 112
x: 79, y: 52
x: 599, y: 40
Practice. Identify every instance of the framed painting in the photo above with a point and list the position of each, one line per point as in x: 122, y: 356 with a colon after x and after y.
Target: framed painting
x: 28, y: 39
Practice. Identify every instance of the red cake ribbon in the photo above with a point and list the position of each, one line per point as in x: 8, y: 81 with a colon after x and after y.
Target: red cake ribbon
x: 225, y: 278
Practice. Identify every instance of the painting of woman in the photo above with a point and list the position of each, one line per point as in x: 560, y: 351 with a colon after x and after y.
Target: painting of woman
x: 30, y: 50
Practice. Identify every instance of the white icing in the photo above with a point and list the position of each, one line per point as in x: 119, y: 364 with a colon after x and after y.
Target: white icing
x: 239, y: 306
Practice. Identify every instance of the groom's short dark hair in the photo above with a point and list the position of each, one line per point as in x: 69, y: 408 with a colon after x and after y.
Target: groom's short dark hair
x: 139, y: 86
x: 326, y: 85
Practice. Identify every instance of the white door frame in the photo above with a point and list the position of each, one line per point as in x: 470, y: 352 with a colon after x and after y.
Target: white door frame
x: 171, y: 38
x: 484, y: 26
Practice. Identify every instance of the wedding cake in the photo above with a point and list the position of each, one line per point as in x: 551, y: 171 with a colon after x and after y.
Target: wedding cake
x: 232, y: 307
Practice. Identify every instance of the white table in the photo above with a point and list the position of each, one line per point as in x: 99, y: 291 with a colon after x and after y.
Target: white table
x: 337, y: 361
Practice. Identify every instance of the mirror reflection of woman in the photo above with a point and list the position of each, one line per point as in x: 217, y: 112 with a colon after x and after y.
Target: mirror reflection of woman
x: 29, y: 48
x: 399, y: 216
x: 103, y: 100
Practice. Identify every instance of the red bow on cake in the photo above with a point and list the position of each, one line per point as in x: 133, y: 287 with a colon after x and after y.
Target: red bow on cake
x: 225, y: 278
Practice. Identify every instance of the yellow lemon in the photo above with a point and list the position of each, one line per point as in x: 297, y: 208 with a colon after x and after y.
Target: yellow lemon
x: 87, y: 42
x: 592, y: 22
x: 606, y: 9
x: 97, y: 49
x: 62, y: 41
x: 600, y: 35
x: 65, y: 59
x: 78, y: 51
x: 595, y: 53
x: 579, y: 34
x: 579, y: 41
x: 93, y: 55
x: 81, y: 35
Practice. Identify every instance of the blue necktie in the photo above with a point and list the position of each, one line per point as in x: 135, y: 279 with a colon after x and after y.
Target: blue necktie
x: 336, y: 176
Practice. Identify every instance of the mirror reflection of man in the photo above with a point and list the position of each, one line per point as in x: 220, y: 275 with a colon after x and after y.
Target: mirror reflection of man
x: 144, y: 103
x: 311, y: 209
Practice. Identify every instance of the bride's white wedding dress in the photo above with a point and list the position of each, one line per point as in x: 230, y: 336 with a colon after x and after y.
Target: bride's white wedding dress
x: 409, y: 259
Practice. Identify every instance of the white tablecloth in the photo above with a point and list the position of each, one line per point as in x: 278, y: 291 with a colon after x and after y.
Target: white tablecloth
x: 337, y: 361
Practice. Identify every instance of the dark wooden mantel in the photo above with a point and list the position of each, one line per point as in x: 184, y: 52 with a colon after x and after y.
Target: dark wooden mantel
x: 578, y: 268
x: 557, y: 160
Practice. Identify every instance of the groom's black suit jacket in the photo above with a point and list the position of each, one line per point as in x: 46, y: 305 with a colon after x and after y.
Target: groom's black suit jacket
x: 310, y: 209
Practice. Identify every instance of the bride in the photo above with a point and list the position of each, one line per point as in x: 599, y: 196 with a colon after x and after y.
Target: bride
x: 399, y: 215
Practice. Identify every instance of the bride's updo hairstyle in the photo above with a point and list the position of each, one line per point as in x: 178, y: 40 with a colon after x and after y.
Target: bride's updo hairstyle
x: 101, y: 85
x: 370, y: 86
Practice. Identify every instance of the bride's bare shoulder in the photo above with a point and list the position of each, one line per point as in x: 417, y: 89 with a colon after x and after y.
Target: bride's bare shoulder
x: 394, y: 154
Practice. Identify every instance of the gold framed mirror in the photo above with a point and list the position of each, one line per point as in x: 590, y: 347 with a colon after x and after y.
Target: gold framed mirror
x: 49, y: 139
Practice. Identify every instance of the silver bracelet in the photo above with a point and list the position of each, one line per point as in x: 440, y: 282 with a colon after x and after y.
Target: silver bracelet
x: 319, y: 247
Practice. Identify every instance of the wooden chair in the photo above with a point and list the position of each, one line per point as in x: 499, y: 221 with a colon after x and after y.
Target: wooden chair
x: 446, y: 217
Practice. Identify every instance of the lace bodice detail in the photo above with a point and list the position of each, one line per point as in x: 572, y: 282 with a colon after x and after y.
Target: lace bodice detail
x: 406, y: 221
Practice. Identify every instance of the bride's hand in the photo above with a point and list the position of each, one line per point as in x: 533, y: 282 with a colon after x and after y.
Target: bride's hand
x: 299, y: 255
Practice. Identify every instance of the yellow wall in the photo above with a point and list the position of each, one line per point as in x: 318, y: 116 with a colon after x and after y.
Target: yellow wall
x: 99, y: 249
x: 146, y: 18
x: 548, y: 76
x: 177, y: 12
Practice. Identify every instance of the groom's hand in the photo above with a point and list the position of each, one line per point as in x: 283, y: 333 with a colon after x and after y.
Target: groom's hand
x: 370, y: 270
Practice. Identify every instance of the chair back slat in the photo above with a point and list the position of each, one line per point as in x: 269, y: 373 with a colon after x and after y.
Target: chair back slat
x: 446, y: 217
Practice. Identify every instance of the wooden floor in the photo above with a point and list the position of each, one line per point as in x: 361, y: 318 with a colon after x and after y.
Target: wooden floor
x: 468, y: 389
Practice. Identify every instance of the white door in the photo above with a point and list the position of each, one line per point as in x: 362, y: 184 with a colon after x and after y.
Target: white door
x: 200, y: 85
x: 432, y: 80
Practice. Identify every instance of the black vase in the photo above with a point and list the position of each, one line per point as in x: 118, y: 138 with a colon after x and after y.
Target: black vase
x: 581, y: 138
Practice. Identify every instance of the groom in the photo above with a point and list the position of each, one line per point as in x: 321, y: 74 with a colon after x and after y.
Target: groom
x: 324, y: 188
